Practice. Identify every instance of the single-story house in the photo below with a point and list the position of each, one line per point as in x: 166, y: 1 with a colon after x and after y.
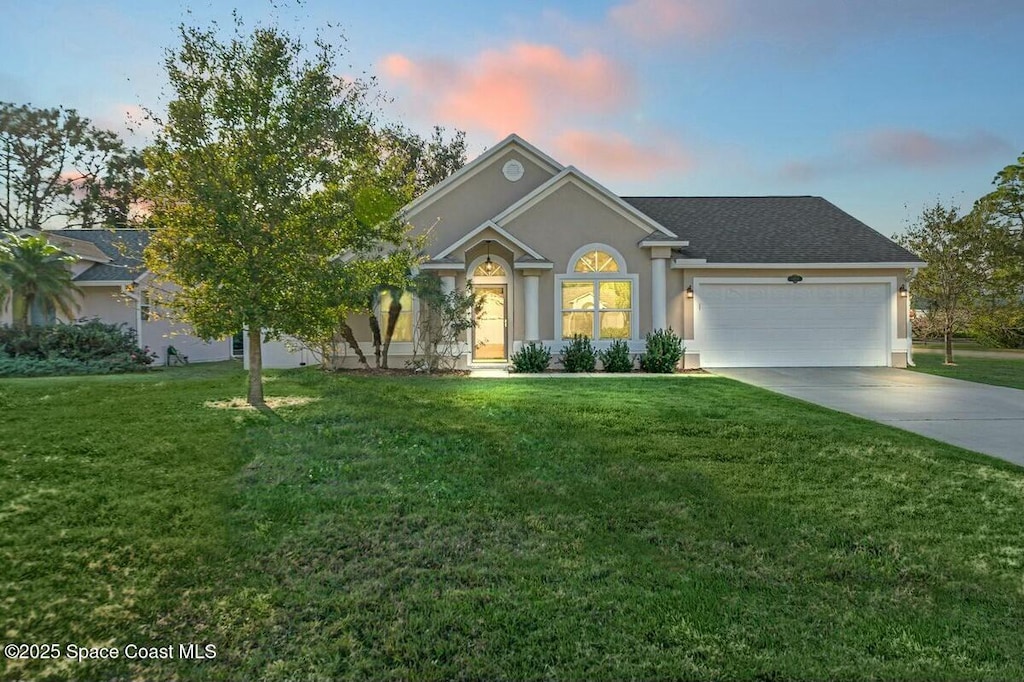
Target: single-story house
x: 115, y: 287
x: 746, y: 281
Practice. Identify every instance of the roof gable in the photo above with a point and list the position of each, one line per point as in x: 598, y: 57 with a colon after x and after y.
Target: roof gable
x: 572, y: 175
x: 478, y: 164
x: 122, y: 250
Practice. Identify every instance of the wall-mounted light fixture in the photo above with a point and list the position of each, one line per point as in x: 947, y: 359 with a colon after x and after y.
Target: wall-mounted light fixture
x: 689, y: 292
x: 794, y: 279
x: 903, y: 291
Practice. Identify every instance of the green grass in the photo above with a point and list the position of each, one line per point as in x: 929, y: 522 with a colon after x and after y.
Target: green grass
x: 1009, y: 372
x: 451, y: 528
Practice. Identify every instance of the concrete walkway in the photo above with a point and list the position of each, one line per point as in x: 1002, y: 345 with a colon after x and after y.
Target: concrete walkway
x: 979, y: 417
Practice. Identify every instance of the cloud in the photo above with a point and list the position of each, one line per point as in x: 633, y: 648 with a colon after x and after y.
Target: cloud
x: 656, y: 21
x: 615, y: 156
x: 901, y: 148
x: 522, y: 88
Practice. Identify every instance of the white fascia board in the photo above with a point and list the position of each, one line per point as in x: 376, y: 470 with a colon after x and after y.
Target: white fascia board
x: 442, y: 266
x: 103, y: 283
x: 599, y: 192
x: 490, y: 224
x: 692, y: 263
x: 651, y: 243
x: 680, y: 263
x: 546, y: 265
x: 478, y: 164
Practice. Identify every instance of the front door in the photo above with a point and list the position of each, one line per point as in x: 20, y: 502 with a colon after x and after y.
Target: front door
x: 491, y: 323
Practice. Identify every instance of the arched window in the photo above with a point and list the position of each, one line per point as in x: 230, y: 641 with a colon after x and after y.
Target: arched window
x: 489, y: 268
x: 596, y: 261
x: 597, y: 296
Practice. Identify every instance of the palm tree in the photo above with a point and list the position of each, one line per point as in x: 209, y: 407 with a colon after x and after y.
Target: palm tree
x: 34, y: 272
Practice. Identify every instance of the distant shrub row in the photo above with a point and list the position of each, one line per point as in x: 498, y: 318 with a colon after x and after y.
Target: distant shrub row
x: 663, y: 352
x: 90, y: 347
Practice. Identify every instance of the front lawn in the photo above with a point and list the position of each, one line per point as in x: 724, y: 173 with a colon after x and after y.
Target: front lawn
x: 1009, y: 372
x: 406, y: 527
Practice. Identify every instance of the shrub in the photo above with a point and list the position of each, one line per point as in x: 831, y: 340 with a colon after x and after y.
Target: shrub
x: 616, y: 358
x: 532, y: 357
x: 91, y: 347
x: 664, y: 349
x: 579, y: 355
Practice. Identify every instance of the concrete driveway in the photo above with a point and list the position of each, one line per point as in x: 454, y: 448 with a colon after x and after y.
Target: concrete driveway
x: 979, y: 417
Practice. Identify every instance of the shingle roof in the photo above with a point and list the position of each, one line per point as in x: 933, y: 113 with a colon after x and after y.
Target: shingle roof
x: 124, y: 247
x: 770, y: 230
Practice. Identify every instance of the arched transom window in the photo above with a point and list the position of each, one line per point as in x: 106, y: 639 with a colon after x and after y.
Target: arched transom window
x: 596, y: 261
x: 489, y: 269
x: 597, y: 296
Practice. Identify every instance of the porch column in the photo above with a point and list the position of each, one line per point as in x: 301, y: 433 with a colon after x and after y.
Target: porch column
x: 658, y: 286
x: 447, y: 284
x: 531, y: 294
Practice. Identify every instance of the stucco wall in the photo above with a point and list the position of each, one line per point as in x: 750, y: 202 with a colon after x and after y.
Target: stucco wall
x: 569, y: 219
x: 477, y: 199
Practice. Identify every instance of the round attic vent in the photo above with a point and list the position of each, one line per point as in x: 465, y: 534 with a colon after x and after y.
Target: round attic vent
x: 512, y: 170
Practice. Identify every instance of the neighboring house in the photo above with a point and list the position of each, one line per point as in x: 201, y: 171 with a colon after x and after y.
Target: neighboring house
x: 746, y: 281
x: 116, y: 289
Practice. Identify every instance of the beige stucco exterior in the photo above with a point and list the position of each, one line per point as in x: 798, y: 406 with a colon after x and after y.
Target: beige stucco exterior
x: 536, y: 225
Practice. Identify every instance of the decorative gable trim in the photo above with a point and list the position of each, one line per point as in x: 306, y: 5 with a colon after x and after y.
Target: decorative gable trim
x: 478, y: 164
x: 572, y: 175
x: 490, y: 224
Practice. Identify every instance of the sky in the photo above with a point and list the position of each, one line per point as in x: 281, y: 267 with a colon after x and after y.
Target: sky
x: 880, y: 106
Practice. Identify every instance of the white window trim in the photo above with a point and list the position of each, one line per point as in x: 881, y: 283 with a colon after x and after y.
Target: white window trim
x: 622, y: 274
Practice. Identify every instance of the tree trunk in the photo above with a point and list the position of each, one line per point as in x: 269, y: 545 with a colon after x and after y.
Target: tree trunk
x: 393, y: 312
x: 350, y: 339
x: 949, y: 347
x: 255, y: 368
x: 25, y: 314
x: 375, y: 330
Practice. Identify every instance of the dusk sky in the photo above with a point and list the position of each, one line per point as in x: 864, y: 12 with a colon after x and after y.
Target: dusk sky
x: 880, y: 106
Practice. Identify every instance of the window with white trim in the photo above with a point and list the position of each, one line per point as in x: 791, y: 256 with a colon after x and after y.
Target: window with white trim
x: 145, y: 306
x: 404, y: 324
x: 594, y: 301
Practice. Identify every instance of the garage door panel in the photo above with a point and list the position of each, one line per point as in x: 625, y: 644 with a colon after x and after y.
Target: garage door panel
x: 785, y: 325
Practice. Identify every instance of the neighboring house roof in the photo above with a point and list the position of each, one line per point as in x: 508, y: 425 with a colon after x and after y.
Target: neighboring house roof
x: 123, y: 248
x: 770, y: 230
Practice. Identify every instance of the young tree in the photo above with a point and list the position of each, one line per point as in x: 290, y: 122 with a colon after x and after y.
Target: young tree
x: 262, y: 175
x: 954, y: 248
x: 33, y: 273
x: 55, y: 166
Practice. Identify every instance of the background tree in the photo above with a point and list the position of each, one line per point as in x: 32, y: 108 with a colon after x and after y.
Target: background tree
x: 420, y: 163
x: 35, y: 274
x: 57, y: 168
x: 263, y: 174
x: 999, y: 317
x: 954, y: 248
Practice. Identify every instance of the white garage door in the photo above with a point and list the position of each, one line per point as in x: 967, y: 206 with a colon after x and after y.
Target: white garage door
x: 793, y: 325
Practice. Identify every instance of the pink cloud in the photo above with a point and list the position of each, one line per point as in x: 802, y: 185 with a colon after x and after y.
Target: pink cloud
x: 522, y: 88
x: 914, y: 148
x: 898, y: 148
x: 615, y: 156
x: 655, y: 21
